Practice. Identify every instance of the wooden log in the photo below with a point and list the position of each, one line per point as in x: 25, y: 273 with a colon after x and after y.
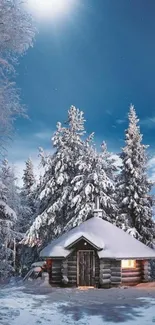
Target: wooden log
x: 105, y: 276
x: 105, y: 281
x: 102, y: 260
x: 119, y: 274
x: 72, y: 273
x: 136, y: 269
x: 115, y: 269
x: 115, y: 279
x: 56, y: 280
x: 73, y: 267
x: 56, y: 266
x: 131, y: 279
x: 72, y: 280
x: 72, y: 258
x: 56, y: 276
x: 131, y: 274
x: 72, y: 263
x: 105, y: 270
x: 116, y: 263
x: 56, y: 269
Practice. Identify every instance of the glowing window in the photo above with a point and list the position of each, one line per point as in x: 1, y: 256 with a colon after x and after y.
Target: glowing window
x: 128, y: 264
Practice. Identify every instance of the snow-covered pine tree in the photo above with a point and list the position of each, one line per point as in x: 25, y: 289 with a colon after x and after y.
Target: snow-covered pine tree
x: 133, y: 186
x: 28, y: 176
x: 95, y: 177
x: 8, y: 219
x: 27, y: 197
x: 74, y: 174
x: 109, y: 162
x: 8, y: 178
x: 60, y: 169
x: 12, y: 195
x: 17, y: 35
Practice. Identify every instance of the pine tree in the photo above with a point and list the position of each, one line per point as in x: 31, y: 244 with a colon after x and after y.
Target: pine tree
x: 28, y: 176
x: 133, y: 187
x: 8, y: 220
x: 95, y: 177
x: 8, y: 178
x: 27, y: 197
x: 60, y: 169
x: 17, y: 35
x: 74, y: 174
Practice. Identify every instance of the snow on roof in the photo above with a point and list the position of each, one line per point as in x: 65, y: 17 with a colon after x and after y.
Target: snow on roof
x: 89, y: 237
x: 113, y: 242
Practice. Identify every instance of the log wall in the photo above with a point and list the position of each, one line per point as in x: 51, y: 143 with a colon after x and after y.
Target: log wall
x: 105, y: 273
x: 116, y: 273
x: 72, y: 269
x: 55, y: 276
x: 146, y: 271
x: 64, y: 271
x: 97, y: 270
x: 108, y: 273
x: 132, y: 276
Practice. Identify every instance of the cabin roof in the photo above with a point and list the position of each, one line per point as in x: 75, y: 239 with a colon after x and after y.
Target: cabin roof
x: 110, y: 242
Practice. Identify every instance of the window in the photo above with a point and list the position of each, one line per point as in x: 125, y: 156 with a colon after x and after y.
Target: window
x: 128, y: 264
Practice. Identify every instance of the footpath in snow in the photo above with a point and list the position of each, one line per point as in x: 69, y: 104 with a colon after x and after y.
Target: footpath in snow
x: 33, y: 304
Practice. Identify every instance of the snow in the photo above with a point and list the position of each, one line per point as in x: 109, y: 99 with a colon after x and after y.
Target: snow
x: 74, y: 174
x: 115, y: 242
x: 133, y: 186
x: 38, y: 264
x: 8, y: 210
x: 33, y: 304
x: 88, y: 237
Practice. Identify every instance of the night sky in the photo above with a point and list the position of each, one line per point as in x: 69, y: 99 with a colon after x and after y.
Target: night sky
x: 99, y: 57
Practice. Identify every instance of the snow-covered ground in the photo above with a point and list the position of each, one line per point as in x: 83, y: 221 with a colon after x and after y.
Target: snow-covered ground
x: 33, y: 304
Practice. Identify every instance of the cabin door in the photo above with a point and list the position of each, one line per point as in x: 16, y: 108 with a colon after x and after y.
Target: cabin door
x: 86, y: 268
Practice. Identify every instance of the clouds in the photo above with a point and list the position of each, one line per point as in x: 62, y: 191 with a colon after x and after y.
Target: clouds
x: 118, y: 160
x: 120, y: 121
x: 148, y: 122
x: 43, y: 135
x: 26, y: 146
x: 151, y: 167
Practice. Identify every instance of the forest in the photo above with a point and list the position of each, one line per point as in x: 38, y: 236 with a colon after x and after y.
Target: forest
x: 75, y: 172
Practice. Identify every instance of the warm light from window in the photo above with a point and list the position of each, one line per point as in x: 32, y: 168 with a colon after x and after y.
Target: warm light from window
x: 128, y: 264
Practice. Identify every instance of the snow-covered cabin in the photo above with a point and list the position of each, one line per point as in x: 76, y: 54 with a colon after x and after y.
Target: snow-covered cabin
x: 97, y: 253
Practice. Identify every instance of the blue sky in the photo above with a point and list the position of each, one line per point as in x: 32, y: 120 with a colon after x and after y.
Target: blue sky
x: 99, y: 57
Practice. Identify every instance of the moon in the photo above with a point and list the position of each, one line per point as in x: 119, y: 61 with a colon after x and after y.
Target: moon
x: 49, y: 8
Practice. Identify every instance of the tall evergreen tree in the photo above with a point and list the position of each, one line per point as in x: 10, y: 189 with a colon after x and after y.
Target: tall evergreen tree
x: 27, y: 197
x: 8, y: 219
x: 74, y: 174
x: 28, y: 176
x: 8, y: 178
x: 133, y: 185
x: 95, y: 177
x: 60, y: 169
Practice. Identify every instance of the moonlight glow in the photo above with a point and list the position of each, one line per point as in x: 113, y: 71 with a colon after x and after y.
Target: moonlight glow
x: 49, y: 8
